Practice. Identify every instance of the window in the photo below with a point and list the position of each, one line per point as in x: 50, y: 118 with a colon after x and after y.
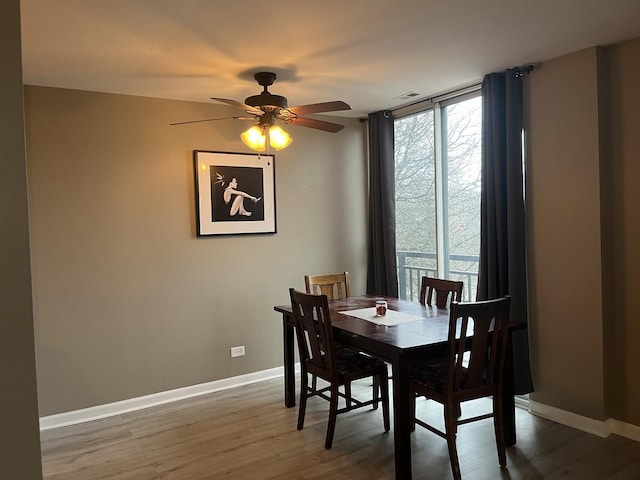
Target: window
x: 437, y: 162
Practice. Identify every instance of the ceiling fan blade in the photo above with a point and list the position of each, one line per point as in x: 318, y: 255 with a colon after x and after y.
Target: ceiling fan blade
x: 240, y: 105
x: 317, y: 124
x: 319, y: 107
x: 212, y: 119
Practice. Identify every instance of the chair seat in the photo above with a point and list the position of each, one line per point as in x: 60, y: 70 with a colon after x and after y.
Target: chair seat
x: 429, y: 376
x: 351, y: 361
x: 432, y: 376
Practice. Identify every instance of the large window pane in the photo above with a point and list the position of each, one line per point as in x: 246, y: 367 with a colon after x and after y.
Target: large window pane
x: 463, y: 122
x: 415, y: 200
x: 437, y: 157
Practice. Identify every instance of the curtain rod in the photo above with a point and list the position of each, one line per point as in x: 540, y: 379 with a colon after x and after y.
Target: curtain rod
x: 455, y: 93
x: 518, y: 71
x: 521, y: 71
x: 408, y: 109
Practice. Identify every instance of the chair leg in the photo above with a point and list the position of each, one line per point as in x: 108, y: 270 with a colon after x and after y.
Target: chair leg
x: 498, y: 425
x: 412, y: 411
x: 383, y: 380
x: 347, y: 393
x: 333, y: 413
x: 376, y: 389
x: 303, y: 400
x: 451, y: 427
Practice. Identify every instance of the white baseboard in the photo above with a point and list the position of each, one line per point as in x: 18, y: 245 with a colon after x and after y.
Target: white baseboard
x: 601, y: 428
x: 626, y: 430
x: 139, y: 403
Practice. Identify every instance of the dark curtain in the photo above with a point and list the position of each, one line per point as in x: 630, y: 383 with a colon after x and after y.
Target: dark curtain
x: 382, y: 275
x: 503, y: 268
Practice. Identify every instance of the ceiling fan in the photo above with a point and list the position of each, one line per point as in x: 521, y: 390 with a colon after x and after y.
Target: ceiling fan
x: 266, y: 108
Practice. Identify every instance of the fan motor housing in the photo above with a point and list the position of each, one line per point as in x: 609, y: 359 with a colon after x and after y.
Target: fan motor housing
x: 266, y: 99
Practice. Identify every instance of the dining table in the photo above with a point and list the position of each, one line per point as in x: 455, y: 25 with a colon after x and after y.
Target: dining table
x: 409, y: 333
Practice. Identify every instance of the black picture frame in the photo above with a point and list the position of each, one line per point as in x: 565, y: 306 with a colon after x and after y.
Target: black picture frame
x: 235, y: 193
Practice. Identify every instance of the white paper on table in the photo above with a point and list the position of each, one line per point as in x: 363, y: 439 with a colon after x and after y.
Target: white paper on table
x: 391, y: 318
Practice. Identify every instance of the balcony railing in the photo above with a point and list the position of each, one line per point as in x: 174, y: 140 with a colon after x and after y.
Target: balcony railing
x: 412, y: 266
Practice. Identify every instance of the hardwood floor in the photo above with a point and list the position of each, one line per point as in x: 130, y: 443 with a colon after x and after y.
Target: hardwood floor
x: 247, y: 433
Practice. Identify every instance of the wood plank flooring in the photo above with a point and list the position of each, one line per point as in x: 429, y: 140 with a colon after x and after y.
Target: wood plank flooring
x: 247, y: 433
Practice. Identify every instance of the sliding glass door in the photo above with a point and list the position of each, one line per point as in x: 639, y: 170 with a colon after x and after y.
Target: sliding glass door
x: 437, y: 160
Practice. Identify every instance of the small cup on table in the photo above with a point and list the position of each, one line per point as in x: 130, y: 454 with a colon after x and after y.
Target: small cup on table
x: 381, y: 307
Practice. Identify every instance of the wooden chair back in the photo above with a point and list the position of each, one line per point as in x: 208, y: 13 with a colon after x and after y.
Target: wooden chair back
x: 443, y: 292
x: 333, y: 285
x: 314, y: 334
x: 477, y: 346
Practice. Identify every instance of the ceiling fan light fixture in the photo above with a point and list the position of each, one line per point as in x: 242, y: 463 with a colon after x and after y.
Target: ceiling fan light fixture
x: 278, y: 138
x: 267, y: 107
x: 255, y: 139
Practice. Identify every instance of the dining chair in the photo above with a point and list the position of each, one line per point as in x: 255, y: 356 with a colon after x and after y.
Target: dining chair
x: 337, y: 366
x: 442, y: 291
x: 333, y: 285
x: 473, y: 368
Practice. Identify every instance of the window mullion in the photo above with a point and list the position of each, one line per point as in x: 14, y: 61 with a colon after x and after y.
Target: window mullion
x: 442, y: 235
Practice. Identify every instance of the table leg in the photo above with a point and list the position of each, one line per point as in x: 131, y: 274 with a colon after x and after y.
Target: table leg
x: 288, y: 335
x: 401, y: 418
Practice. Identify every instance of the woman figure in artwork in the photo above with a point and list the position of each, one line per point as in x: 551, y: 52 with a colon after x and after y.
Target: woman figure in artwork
x: 236, y: 198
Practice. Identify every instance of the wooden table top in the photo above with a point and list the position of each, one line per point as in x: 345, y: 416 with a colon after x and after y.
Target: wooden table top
x: 432, y: 329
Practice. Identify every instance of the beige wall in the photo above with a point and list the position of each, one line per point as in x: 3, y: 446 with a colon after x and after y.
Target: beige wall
x: 19, y: 438
x: 564, y: 234
x: 584, y: 227
x: 622, y: 81
x: 128, y: 301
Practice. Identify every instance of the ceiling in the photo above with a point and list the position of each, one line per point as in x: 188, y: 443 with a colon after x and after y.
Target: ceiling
x: 368, y: 53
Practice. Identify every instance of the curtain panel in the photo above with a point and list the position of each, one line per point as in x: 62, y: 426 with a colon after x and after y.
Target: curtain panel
x: 382, y: 274
x: 503, y: 267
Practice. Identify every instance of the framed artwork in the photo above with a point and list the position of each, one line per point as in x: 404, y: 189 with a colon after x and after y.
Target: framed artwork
x: 235, y: 193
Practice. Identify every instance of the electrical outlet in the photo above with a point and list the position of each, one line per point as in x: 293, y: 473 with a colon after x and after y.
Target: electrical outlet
x: 237, y: 351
